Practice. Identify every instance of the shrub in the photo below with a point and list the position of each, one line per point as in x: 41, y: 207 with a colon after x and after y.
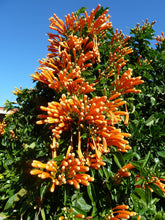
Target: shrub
x: 65, y: 152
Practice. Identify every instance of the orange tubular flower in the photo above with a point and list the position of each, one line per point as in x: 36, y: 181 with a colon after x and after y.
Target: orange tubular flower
x: 95, y: 160
x: 160, y: 39
x: 98, y: 112
x: 17, y: 91
x: 126, y: 84
x: 71, y: 171
x: 59, y: 70
x: 155, y: 180
x: 2, y: 127
x: 120, y: 212
x: 62, y: 115
x: 123, y: 172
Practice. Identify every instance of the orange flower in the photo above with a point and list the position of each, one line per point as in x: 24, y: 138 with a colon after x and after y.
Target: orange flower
x: 71, y: 170
x: 62, y: 115
x: 99, y: 113
x: 59, y: 70
x: 123, y: 172
x: 95, y: 160
x: 155, y: 180
x: 120, y: 212
x: 2, y: 127
x: 18, y: 91
x: 160, y: 39
x: 126, y: 84
x: 74, y: 24
x: 69, y: 214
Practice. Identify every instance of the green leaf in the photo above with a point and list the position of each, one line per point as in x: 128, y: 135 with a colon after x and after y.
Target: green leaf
x: 42, y: 191
x: 119, y: 160
x: 10, y: 202
x: 101, y: 172
x: 8, y: 162
x: 80, y: 11
x: 153, y: 100
x: 139, y: 182
x: 137, y: 165
x: 148, y: 195
x: 81, y: 204
x: 156, y: 189
x: 91, y: 193
x: 20, y: 194
x: 107, y: 174
x: 146, y: 159
x: 141, y: 194
x: 2, y: 215
x: 29, y: 146
x: 161, y: 153
x: 78, y: 211
x: 150, y: 120
x: 43, y: 214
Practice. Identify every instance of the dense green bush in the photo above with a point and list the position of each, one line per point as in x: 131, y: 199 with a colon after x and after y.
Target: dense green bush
x: 100, y: 62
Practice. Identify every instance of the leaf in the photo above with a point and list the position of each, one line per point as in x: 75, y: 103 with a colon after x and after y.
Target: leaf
x: 161, y: 153
x: 137, y: 165
x: 20, y: 194
x: 139, y: 182
x: 148, y: 195
x: 80, y: 11
x: 29, y: 146
x: 147, y: 75
x: 42, y: 191
x: 43, y: 214
x: 81, y: 204
x: 101, y: 172
x: 119, y: 160
x: 150, y: 120
x: 10, y: 202
x: 8, y: 162
x: 3, y: 216
x: 141, y: 194
x: 107, y: 174
x: 91, y: 193
x: 156, y: 189
x: 78, y: 211
x: 153, y: 100
x: 146, y: 159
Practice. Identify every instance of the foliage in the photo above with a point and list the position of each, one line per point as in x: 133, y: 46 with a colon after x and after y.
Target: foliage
x: 64, y: 150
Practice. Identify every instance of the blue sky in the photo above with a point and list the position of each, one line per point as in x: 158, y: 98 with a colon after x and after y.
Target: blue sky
x: 24, y: 25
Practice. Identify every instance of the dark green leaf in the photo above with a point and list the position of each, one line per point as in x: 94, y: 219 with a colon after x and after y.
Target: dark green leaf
x: 156, y: 189
x: 147, y: 157
x: 161, y: 153
x: 150, y: 120
x: 119, y: 160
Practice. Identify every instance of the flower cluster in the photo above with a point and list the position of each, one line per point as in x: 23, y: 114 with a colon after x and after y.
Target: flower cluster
x: 17, y: 91
x: 146, y: 24
x: 160, y: 39
x: 75, y: 49
x: 72, y: 53
x: 157, y: 181
x: 2, y: 127
x: 99, y: 113
x: 71, y: 170
x: 120, y: 212
x: 123, y: 172
x: 68, y: 213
